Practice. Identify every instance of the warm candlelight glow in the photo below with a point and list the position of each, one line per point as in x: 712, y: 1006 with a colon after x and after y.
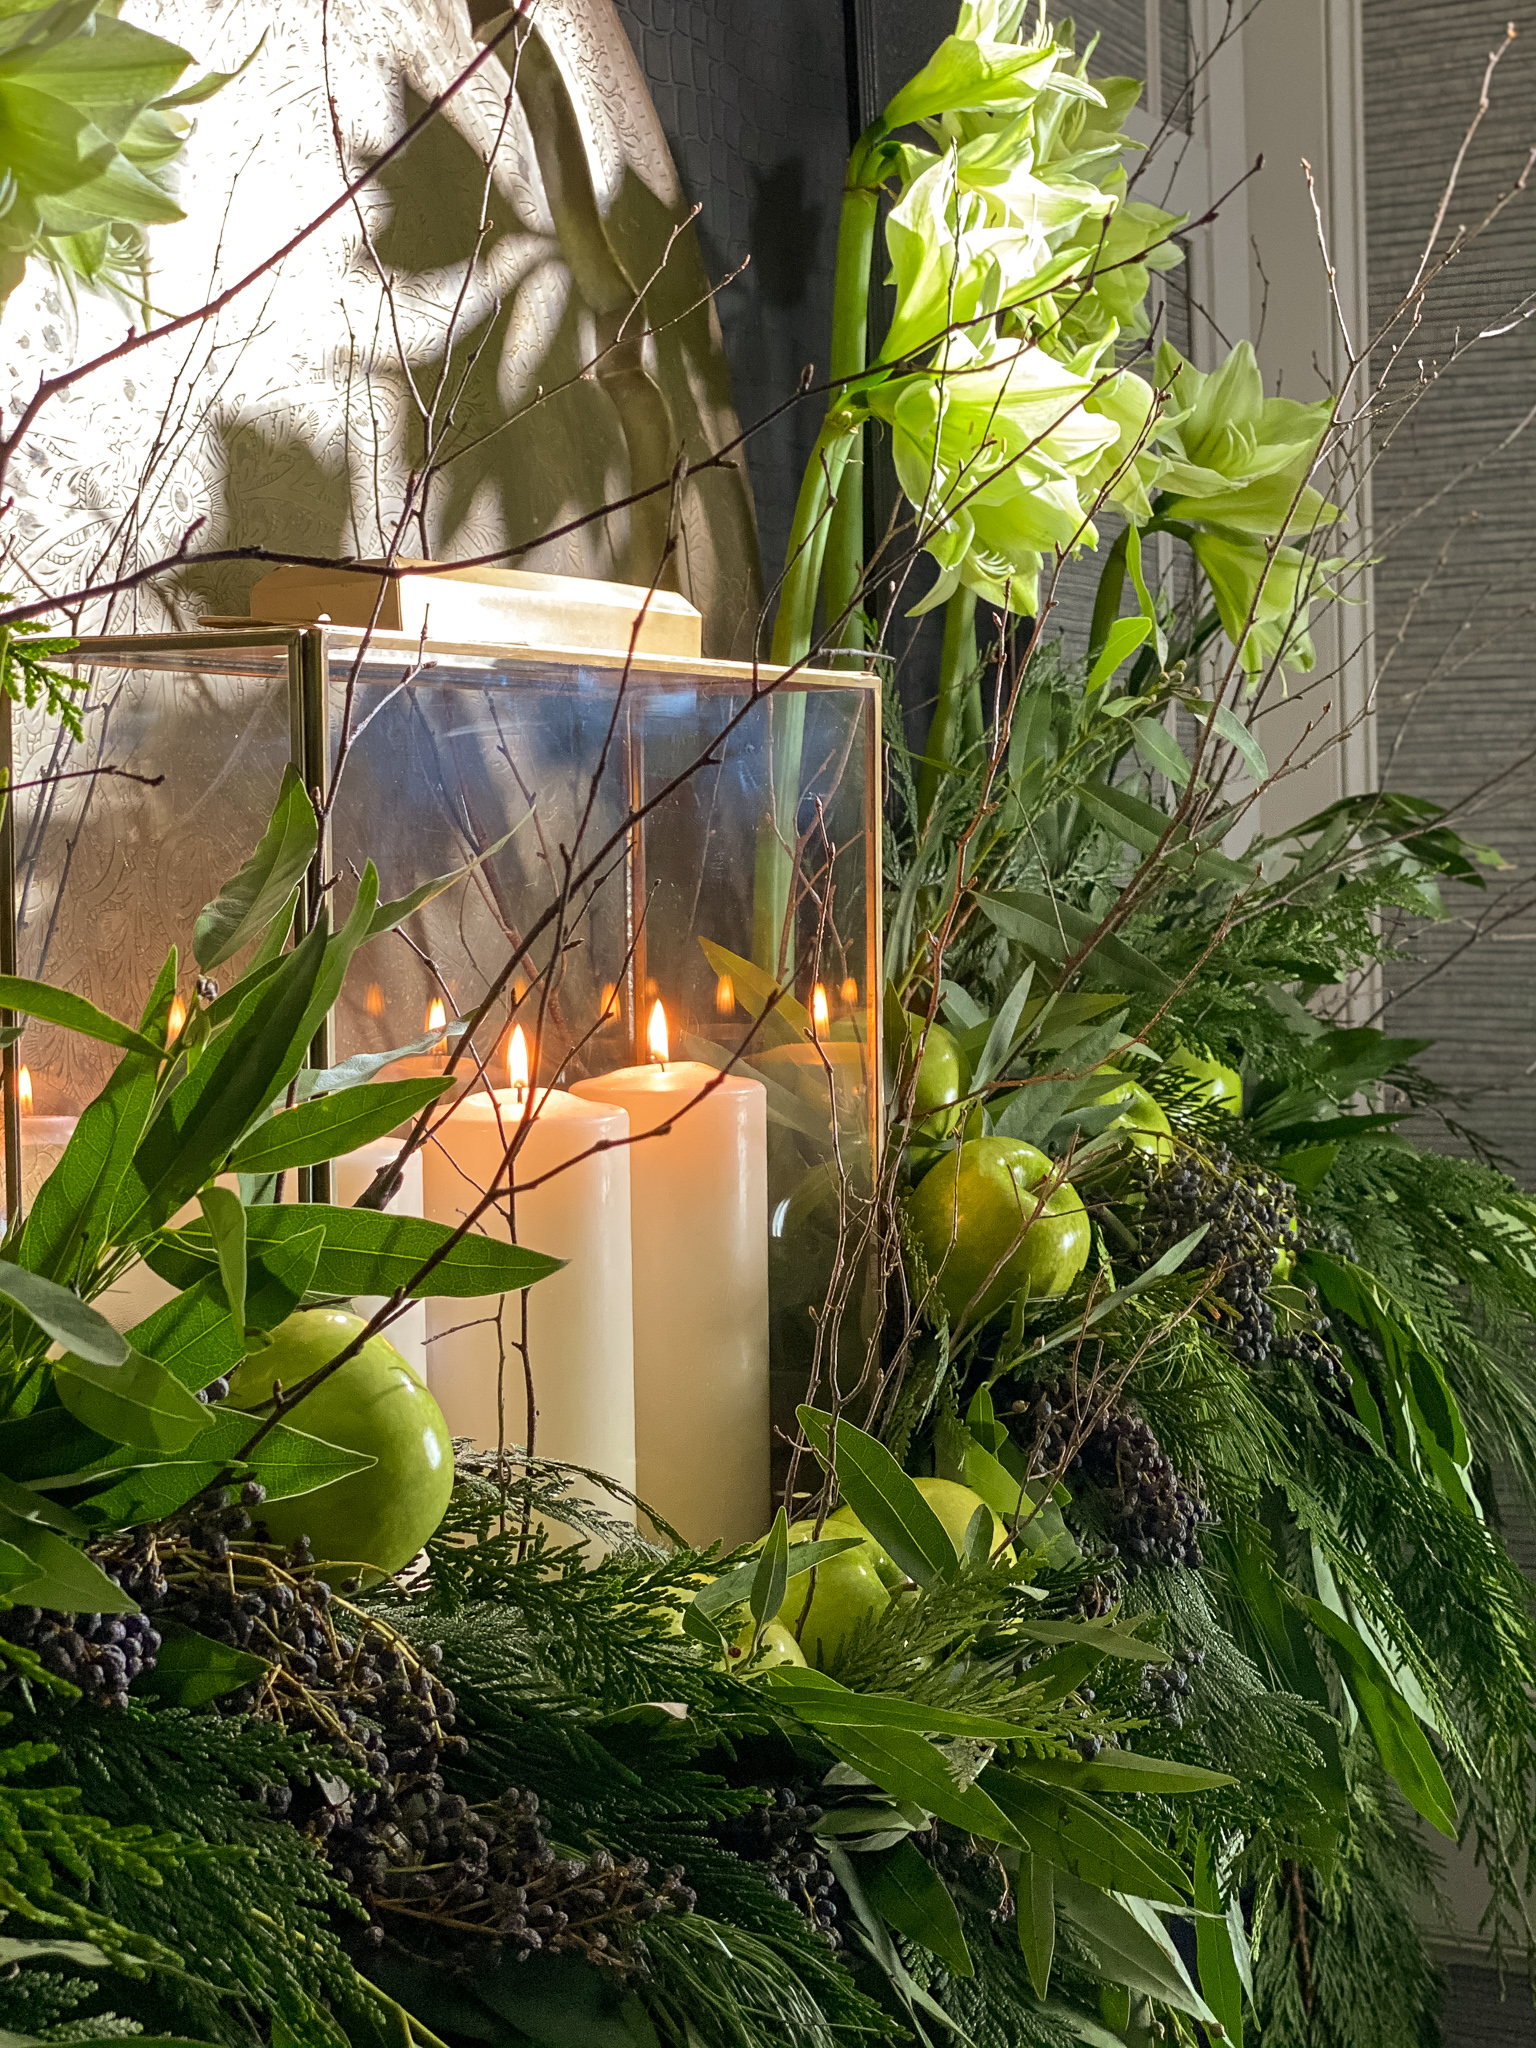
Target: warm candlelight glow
x: 610, y: 1003
x: 437, y: 1015
x: 176, y: 1022
x: 658, y: 1035
x: 24, y: 1091
x: 725, y: 996
x: 821, y: 1016
x: 517, y: 1065
x: 652, y: 989
x: 851, y: 992
x: 373, y: 1002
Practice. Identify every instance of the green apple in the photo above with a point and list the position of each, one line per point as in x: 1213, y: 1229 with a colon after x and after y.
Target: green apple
x: 373, y: 1521
x: 844, y: 1522
x: 975, y: 1212
x: 847, y: 1592
x: 778, y: 1647
x: 954, y: 1505
x: 1224, y: 1085
x: 1141, y: 1118
x: 943, y: 1076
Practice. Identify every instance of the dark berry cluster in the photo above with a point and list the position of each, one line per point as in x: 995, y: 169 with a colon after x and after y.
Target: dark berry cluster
x: 1152, y: 1515
x: 101, y: 1653
x: 1165, y: 1687
x: 778, y: 1836
x: 1249, y: 1219
x: 411, y: 1849
x: 490, y: 1874
x: 1307, y: 1342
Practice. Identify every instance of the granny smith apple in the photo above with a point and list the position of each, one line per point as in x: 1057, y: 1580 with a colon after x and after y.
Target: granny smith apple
x: 1224, y: 1085
x: 942, y: 1078
x: 976, y: 1211
x: 844, y: 1522
x: 778, y: 1647
x: 847, y: 1592
x: 954, y: 1505
x: 1141, y: 1118
x: 375, y: 1520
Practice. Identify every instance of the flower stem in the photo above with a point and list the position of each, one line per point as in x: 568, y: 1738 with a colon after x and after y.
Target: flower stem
x: 957, y: 721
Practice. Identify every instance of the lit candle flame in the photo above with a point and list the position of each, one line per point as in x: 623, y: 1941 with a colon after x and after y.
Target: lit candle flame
x: 437, y: 1015
x: 24, y: 1091
x: 725, y: 996
x: 374, y: 1000
x: 821, y: 1015
x: 176, y: 1021
x: 851, y: 992
x: 517, y: 1065
x: 610, y: 1003
x: 658, y: 1036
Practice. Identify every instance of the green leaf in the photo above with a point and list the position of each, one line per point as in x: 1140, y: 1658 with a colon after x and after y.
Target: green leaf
x: 1122, y: 1770
x: 907, y: 1766
x: 224, y: 1215
x: 247, y: 905
x: 782, y: 1019
x: 365, y: 1251
x: 1220, y: 1978
x: 772, y: 1574
x: 191, y: 1669
x: 1078, y: 1835
x: 1053, y: 930
x: 1401, y: 1742
x: 229, y: 1085
x: 1160, y: 750
x: 1144, y: 597
x: 1035, y: 1905
x: 85, y: 1953
x: 362, y: 1066
x: 193, y: 1335
x: 998, y: 1049
x: 388, y: 915
x: 68, y: 1223
x: 64, y: 1316
x: 911, y: 1897
x: 1233, y: 730
x: 735, y: 1586
x: 870, y: 1930
x: 819, y: 1700
x: 1125, y: 636
x: 1104, y: 1638
x: 287, y: 1462
x: 334, y: 1124
x: 1132, y: 1945
x: 72, y: 1013
x: 281, y: 1276
x: 882, y: 1496
x: 1160, y: 1269
x: 67, y: 1579
x: 137, y: 1402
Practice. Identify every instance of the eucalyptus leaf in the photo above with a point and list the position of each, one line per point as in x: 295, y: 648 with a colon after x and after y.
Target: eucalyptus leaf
x: 1220, y: 1975
x: 137, y: 1402
x: 67, y: 1580
x: 224, y: 1215
x: 882, y: 1496
x: 1076, y: 1834
x: 912, y: 1898
x: 734, y: 1587
x: 1130, y: 1951
x: 388, y: 915
x: 67, y: 1319
x: 334, y: 1124
x: 191, y: 1670
x: 823, y: 1703
x: 250, y: 901
x: 1035, y: 1904
x: 72, y: 1013
x: 907, y: 1766
x: 362, y: 1066
x: 772, y: 1575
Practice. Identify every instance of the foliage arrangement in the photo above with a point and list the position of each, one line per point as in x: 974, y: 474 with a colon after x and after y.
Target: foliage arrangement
x: 1138, y: 1586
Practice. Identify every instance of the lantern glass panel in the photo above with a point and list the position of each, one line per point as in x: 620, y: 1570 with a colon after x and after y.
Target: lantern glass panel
x: 614, y: 817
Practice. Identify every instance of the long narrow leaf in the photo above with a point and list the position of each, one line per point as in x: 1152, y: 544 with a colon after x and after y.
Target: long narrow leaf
x: 250, y: 901
x: 883, y: 1497
x: 72, y: 1013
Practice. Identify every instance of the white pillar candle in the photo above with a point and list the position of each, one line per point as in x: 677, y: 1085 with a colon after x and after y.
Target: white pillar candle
x: 699, y: 1221
x: 43, y: 1139
x: 351, y: 1176
x: 579, y: 1325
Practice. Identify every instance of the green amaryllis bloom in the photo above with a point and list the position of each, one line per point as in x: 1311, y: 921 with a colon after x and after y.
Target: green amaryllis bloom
x: 990, y: 445
x: 1233, y: 457
x: 1264, y: 596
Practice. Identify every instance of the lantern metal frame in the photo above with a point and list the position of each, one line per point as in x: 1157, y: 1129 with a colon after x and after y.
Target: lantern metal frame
x: 308, y: 654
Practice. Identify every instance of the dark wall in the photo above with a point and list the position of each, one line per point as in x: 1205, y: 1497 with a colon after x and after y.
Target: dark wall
x: 1455, y: 522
